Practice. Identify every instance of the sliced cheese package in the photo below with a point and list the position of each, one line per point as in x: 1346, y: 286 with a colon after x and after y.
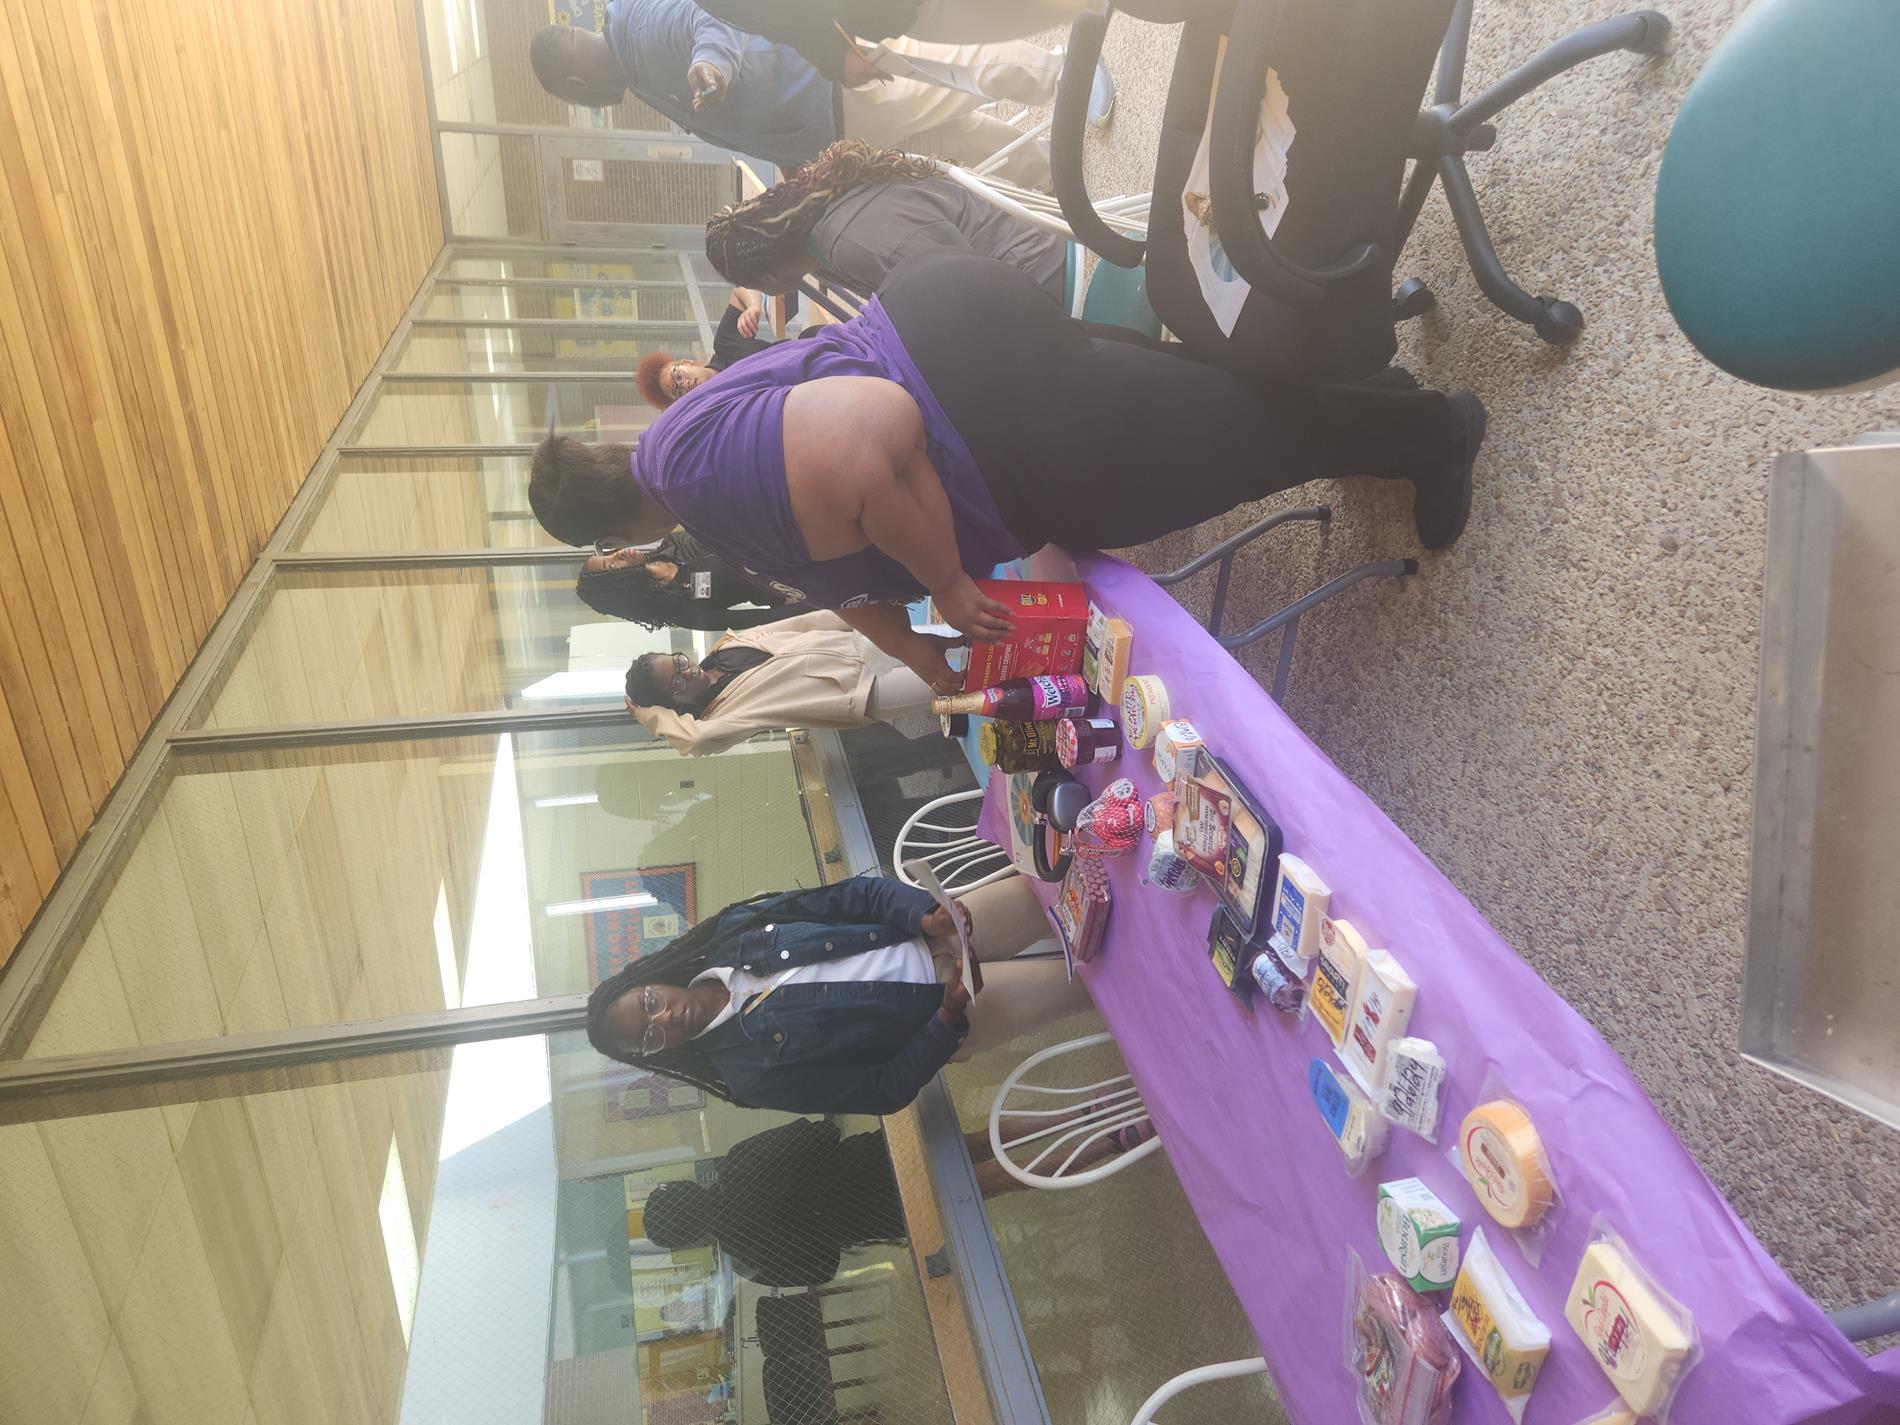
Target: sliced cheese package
x: 1496, y: 1327
x: 1503, y: 1159
x: 1336, y: 974
x: 1642, y: 1338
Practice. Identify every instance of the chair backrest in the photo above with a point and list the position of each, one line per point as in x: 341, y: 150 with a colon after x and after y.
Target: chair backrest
x: 943, y: 833
x: 1042, y: 1131
x: 1354, y: 72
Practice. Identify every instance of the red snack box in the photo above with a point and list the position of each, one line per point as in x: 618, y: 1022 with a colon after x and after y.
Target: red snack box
x: 1051, y: 621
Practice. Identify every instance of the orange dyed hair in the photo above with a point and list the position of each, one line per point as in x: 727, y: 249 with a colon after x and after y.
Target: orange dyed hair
x: 650, y: 377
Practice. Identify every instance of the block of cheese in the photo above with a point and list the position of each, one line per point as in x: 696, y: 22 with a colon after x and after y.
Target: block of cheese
x: 1408, y: 1094
x: 1504, y: 1163
x: 1381, y: 1008
x: 1419, y: 1234
x: 1358, y: 1130
x: 1639, y: 1341
x: 1336, y: 970
x: 1505, y: 1337
x: 1300, y: 899
x: 1174, y: 738
x: 1111, y: 667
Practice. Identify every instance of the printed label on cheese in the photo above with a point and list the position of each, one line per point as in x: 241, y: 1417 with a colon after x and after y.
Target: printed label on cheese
x: 1641, y: 1343
x: 1340, y: 949
x: 1503, y: 1163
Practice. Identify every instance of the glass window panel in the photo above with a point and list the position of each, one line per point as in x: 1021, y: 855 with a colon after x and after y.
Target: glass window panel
x: 583, y: 346
x: 477, y: 412
x: 635, y: 267
x: 450, y: 1235
x: 314, y: 886
x: 330, y: 646
x: 492, y: 185
x: 425, y: 502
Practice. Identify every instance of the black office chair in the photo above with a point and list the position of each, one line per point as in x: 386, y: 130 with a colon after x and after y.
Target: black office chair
x: 1322, y: 307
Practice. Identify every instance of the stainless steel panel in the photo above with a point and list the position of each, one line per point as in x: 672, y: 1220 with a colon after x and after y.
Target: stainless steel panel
x: 1821, y: 989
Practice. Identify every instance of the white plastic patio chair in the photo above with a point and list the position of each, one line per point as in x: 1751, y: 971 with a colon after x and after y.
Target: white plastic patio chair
x: 1071, y: 1120
x: 1200, y: 1375
x: 943, y: 832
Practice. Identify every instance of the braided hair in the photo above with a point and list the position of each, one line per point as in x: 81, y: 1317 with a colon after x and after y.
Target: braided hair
x: 678, y: 964
x: 635, y: 595
x: 748, y: 240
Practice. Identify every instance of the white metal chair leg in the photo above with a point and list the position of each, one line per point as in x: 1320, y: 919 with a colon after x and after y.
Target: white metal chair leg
x: 1200, y: 1375
x: 1083, y: 1116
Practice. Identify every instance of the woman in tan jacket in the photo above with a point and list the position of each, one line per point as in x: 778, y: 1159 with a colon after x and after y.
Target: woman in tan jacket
x: 813, y: 670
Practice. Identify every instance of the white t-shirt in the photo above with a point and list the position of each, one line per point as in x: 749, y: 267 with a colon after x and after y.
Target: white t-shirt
x: 907, y: 962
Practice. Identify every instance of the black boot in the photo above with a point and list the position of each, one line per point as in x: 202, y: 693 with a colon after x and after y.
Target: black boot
x: 1441, y: 500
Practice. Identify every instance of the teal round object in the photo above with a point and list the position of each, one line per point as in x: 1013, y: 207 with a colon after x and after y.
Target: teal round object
x: 1778, y: 202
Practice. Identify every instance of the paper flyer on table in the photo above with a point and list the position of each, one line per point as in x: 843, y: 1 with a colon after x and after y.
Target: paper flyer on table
x: 920, y: 871
x: 1224, y: 290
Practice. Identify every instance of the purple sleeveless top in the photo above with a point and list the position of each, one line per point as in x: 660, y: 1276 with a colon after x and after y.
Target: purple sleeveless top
x: 716, y: 462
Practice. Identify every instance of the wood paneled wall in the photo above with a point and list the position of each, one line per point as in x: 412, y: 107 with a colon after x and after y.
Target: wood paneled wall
x: 212, y: 215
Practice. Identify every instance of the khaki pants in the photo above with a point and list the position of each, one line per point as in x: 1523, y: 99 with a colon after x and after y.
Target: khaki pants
x: 1018, y: 995
x: 942, y: 123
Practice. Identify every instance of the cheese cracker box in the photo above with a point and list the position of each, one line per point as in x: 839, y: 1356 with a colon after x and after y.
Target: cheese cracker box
x: 1051, y: 622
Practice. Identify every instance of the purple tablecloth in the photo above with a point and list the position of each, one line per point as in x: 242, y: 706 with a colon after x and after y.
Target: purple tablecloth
x: 1228, y: 1093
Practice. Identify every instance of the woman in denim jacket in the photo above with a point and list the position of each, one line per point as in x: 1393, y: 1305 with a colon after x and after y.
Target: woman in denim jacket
x: 840, y: 999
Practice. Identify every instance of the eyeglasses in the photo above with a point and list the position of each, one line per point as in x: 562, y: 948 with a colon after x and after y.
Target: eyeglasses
x: 653, y: 1037
x: 676, y: 383
x: 609, y: 546
x: 680, y: 666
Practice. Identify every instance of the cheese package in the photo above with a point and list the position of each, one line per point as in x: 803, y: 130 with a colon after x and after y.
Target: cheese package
x: 1300, y: 899
x: 1400, y: 1356
x: 1226, y: 835
x: 1408, y: 1094
x: 1381, y: 1008
x: 1111, y: 670
x: 1080, y: 913
x: 1496, y: 1326
x: 1419, y: 1234
x: 1359, y: 1131
x: 1144, y: 708
x: 1335, y: 973
x: 1171, y: 741
x: 1643, y: 1340
x: 1092, y: 635
x: 1051, y: 622
x: 1504, y: 1162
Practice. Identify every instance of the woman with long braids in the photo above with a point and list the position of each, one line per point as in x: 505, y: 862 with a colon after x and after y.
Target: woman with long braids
x: 852, y: 213
x: 679, y: 583
x: 841, y: 999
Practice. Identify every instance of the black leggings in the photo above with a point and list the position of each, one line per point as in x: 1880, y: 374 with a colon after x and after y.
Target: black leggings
x: 1096, y: 437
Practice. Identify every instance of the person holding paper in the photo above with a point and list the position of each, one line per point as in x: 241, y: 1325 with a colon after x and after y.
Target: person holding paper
x: 962, y: 420
x: 814, y: 670
x: 679, y: 583
x: 743, y: 92
x: 854, y: 212
x: 840, y: 999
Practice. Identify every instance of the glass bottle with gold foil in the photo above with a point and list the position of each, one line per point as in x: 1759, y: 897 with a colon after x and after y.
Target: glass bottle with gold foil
x: 1018, y: 746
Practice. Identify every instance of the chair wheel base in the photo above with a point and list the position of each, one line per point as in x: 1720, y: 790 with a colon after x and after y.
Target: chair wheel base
x: 1558, y: 323
x: 1413, y: 299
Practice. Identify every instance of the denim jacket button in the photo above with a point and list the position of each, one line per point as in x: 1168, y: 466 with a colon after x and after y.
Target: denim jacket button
x: 785, y: 954
x: 770, y: 928
x: 827, y: 945
x: 779, y: 1038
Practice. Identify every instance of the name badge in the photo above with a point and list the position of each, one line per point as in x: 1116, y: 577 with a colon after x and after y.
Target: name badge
x: 702, y: 584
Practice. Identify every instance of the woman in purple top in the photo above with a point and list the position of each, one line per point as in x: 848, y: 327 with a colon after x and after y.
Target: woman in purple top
x: 962, y: 420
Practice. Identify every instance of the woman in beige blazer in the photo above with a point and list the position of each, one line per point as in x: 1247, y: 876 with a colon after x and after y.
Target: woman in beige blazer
x: 813, y: 670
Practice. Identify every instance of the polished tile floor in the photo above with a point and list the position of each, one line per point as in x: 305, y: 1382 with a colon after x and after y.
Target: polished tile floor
x: 1117, y: 1286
